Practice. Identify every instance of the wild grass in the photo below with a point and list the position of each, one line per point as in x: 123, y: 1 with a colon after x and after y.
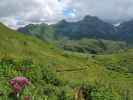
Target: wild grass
x: 110, y: 75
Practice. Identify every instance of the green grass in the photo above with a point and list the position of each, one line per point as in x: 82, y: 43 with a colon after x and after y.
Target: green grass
x: 94, y: 46
x: 110, y: 83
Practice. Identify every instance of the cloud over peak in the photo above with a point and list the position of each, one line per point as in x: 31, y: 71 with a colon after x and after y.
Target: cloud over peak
x: 20, y: 12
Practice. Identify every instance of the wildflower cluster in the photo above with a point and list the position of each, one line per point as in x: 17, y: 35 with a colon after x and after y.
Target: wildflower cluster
x: 17, y: 84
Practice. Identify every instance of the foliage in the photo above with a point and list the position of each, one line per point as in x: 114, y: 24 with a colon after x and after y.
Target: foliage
x: 93, y: 46
x: 54, y: 73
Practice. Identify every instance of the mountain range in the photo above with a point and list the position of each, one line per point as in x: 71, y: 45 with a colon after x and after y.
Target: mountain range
x: 89, y: 27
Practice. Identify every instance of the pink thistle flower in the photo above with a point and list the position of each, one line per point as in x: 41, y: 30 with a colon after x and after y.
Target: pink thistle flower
x: 22, y: 81
x: 12, y: 82
x: 17, y: 83
x: 17, y: 88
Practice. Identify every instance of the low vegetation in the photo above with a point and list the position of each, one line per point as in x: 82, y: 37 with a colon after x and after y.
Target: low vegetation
x: 55, y: 74
x: 94, y: 46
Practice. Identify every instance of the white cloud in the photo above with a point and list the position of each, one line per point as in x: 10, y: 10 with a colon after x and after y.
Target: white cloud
x: 18, y: 12
x: 109, y: 10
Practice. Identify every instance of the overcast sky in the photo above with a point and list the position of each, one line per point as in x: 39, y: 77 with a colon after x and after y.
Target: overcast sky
x: 20, y: 12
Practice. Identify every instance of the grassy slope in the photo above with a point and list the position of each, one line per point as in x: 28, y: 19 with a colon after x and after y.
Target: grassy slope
x: 16, y: 45
x: 97, y: 72
x: 94, y: 46
x: 19, y: 46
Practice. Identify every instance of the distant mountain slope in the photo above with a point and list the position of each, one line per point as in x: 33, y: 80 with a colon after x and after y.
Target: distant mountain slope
x: 125, y: 31
x: 91, y: 27
x: 42, y: 31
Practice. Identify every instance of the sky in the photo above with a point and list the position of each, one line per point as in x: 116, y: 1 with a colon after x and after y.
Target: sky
x: 17, y: 13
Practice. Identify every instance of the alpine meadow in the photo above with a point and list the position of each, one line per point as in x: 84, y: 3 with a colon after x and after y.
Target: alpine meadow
x: 52, y: 50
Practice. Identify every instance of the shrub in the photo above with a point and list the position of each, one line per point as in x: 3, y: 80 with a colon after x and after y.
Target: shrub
x: 50, y: 77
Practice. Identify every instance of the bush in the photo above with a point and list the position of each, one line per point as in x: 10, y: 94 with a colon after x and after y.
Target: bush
x: 96, y: 92
x: 50, y: 77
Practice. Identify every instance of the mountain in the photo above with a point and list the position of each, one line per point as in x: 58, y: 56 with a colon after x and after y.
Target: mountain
x: 89, y: 27
x: 55, y: 74
x: 42, y: 31
x: 125, y: 31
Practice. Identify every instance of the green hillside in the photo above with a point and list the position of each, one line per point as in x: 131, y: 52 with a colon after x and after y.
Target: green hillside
x: 18, y: 45
x: 94, y: 46
x: 55, y: 74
